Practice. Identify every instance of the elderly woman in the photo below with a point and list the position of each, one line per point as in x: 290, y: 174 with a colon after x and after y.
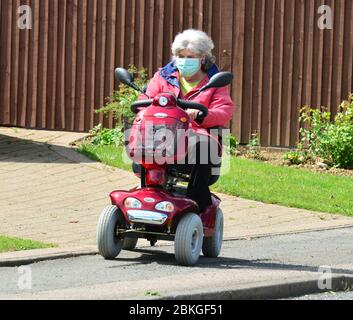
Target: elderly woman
x: 191, y: 68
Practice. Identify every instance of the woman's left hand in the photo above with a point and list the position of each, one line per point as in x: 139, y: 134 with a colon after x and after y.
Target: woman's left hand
x: 192, y: 114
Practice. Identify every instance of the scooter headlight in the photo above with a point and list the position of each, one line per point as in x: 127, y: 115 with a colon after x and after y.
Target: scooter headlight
x: 132, y: 203
x: 163, y: 101
x: 165, y: 206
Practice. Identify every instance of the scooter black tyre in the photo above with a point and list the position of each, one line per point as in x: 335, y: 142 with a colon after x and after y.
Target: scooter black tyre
x: 212, y: 246
x: 188, y: 240
x: 130, y: 243
x: 109, y: 246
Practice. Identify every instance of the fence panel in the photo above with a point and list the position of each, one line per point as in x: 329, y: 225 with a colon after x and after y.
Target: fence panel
x: 56, y: 74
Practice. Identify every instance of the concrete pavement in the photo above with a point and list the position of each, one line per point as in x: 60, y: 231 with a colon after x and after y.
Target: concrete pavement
x: 50, y: 193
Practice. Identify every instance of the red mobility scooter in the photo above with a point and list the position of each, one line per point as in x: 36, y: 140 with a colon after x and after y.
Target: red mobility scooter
x: 159, y: 208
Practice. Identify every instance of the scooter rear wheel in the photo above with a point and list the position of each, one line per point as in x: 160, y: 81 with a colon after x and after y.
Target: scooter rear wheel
x: 188, y: 240
x: 130, y: 243
x: 212, y: 246
x: 109, y: 245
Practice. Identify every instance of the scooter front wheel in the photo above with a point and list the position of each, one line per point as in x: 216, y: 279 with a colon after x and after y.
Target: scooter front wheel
x: 188, y: 240
x: 109, y: 245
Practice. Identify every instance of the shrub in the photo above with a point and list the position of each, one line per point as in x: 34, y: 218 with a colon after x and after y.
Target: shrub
x: 254, y: 146
x: 119, y: 103
x: 330, y: 140
x: 233, y: 143
x: 106, y: 137
x: 296, y: 157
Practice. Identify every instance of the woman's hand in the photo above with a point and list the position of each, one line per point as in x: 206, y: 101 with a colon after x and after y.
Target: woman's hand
x: 192, y: 113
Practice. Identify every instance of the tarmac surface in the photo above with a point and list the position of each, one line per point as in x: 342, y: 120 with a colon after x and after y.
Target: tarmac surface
x: 328, y: 296
x: 243, y: 263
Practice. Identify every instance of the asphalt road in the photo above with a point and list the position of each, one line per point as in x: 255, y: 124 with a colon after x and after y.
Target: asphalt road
x: 328, y: 296
x: 153, y: 270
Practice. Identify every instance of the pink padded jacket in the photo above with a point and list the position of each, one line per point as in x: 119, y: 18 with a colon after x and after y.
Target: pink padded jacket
x: 217, y: 100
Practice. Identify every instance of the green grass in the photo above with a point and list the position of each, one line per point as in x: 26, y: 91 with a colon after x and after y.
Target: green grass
x: 152, y: 294
x: 256, y: 180
x: 15, y: 244
x: 288, y: 186
x: 109, y: 155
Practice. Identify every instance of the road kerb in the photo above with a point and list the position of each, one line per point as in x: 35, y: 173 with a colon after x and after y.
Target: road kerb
x: 268, y: 291
x: 20, y: 258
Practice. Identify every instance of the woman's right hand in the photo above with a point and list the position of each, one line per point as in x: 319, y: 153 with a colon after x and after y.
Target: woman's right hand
x: 192, y: 114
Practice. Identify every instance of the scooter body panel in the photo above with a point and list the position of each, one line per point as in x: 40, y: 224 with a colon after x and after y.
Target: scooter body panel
x: 150, y: 197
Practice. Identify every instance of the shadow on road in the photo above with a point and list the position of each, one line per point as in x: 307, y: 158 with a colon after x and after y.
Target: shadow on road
x: 165, y: 258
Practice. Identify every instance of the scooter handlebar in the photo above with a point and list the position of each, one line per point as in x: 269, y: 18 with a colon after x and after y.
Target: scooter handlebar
x: 192, y: 105
x: 200, y: 117
x: 181, y: 103
x: 140, y: 104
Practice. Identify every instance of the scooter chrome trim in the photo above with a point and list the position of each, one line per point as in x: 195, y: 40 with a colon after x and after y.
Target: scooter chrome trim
x: 147, y: 217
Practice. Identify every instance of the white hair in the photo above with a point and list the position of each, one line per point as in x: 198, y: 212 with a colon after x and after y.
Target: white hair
x: 196, y: 41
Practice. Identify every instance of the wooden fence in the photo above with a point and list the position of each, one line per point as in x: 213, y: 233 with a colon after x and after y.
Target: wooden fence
x: 56, y: 74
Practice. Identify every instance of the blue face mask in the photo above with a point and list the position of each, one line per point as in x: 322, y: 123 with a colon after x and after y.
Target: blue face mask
x: 188, y: 67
